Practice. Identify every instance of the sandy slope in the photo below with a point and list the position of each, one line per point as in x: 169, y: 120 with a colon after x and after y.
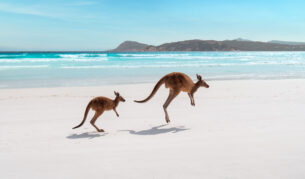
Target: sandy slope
x: 238, y: 129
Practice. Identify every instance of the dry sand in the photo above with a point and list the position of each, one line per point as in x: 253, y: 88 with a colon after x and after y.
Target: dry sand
x: 238, y: 129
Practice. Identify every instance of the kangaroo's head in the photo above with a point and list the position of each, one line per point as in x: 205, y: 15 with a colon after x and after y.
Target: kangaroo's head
x: 201, y: 82
x: 119, y: 97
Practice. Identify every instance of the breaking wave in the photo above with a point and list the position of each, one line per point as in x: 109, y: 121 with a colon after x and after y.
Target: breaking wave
x: 46, y: 60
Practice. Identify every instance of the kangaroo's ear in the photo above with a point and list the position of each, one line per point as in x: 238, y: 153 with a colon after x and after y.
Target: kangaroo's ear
x: 198, y: 77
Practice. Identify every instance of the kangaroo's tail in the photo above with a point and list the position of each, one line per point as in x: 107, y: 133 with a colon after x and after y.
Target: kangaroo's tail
x: 160, y: 82
x: 85, y: 116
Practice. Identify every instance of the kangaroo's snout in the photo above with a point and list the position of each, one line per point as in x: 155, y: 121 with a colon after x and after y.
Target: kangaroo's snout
x: 122, y: 99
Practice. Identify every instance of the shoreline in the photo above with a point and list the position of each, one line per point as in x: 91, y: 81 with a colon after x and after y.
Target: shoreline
x: 142, y: 83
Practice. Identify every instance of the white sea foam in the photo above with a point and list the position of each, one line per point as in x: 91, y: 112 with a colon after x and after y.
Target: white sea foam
x: 178, y: 64
x: 69, y: 56
x: 174, y: 56
x: 82, y: 55
x: 147, y: 66
x: 33, y: 60
x: 153, y: 55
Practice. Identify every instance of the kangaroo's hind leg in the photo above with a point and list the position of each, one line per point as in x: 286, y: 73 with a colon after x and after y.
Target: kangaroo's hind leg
x: 96, y: 115
x: 171, y: 96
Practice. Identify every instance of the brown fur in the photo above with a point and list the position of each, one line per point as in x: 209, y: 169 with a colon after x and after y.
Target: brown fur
x: 99, y: 105
x: 177, y: 82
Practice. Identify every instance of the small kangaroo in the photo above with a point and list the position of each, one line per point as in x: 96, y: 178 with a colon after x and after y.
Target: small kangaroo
x: 177, y: 82
x: 99, y: 105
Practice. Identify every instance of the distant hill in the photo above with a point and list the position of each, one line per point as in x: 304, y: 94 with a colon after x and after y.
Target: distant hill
x: 130, y: 46
x: 208, y: 45
x: 241, y: 39
x: 286, y: 42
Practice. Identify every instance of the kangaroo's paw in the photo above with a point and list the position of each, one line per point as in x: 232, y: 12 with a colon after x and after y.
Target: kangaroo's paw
x: 100, y: 130
x: 167, y: 120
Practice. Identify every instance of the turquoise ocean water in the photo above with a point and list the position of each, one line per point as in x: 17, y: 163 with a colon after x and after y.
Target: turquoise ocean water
x: 23, y: 70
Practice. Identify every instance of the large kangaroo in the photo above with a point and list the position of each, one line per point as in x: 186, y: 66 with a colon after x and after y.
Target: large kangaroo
x: 99, y: 105
x: 177, y: 82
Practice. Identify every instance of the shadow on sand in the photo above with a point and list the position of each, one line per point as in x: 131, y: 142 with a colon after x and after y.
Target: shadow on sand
x: 86, y: 135
x: 157, y: 130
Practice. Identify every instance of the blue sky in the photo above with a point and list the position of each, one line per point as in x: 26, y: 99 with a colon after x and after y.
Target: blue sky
x: 103, y: 24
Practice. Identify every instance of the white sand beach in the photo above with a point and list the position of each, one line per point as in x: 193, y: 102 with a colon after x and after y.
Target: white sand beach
x: 238, y: 129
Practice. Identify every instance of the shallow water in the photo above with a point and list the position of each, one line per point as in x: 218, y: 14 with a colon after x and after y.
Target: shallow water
x: 19, y: 70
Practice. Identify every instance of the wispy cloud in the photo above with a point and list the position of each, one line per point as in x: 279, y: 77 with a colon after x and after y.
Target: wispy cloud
x: 27, y: 10
x: 59, y: 11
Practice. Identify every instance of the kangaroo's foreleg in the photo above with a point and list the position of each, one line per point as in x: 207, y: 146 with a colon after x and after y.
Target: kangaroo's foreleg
x: 192, y: 99
x: 117, y: 114
x: 96, y: 115
x: 171, y: 96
